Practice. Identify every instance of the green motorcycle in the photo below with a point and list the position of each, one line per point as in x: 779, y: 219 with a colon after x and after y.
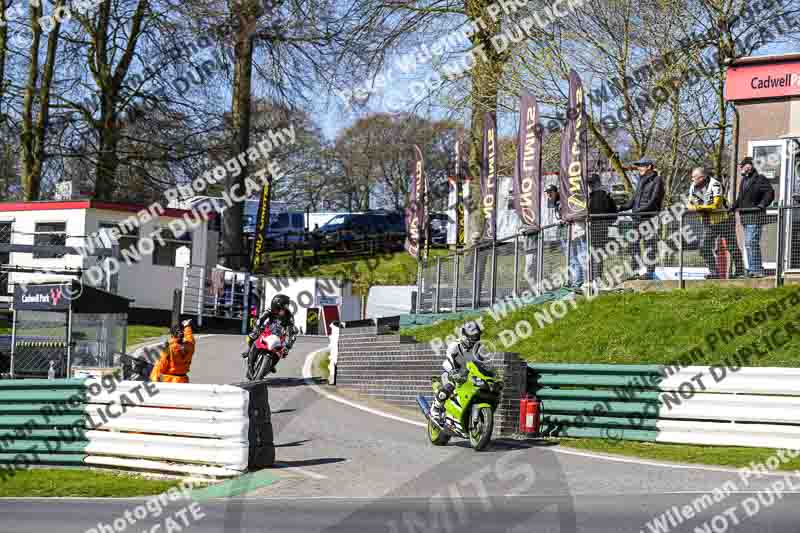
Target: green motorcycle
x: 469, y: 411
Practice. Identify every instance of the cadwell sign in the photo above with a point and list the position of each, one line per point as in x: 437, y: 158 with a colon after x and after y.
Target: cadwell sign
x: 759, y: 80
x: 42, y: 297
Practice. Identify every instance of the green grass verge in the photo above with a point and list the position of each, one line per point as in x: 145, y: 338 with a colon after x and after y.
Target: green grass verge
x: 137, y: 334
x: 682, y: 453
x: 397, y: 268
x: 61, y: 482
x: 644, y: 328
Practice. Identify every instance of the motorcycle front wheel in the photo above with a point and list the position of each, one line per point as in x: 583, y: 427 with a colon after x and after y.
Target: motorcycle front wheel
x: 436, y: 435
x: 261, y: 365
x: 480, y: 428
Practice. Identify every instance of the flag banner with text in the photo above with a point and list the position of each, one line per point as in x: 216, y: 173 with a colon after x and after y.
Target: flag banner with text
x: 528, y: 167
x: 414, y: 210
x: 574, y: 144
x: 489, y: 176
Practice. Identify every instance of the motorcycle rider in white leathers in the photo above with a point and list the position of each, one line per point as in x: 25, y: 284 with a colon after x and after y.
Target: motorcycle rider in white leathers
x: 467, y: 348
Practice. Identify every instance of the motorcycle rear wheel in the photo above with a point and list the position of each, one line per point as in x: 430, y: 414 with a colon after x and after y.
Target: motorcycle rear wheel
x: 481, y: 425
x: 436, y: 435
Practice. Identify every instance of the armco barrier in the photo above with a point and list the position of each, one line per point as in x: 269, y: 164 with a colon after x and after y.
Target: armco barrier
x: 38, y: 425
x: 695, y: 405
x: 396, y: 369
x: 201, y: 430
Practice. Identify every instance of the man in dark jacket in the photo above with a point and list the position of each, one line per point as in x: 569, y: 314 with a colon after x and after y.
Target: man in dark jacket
x: 645, y: 203
x: 600, y: 203
x: 755, y: 192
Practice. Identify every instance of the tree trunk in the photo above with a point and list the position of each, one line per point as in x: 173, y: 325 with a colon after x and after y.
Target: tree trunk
x: 241, y: 114
x: 109, y: 80
x: 107, y: 159
x: 719, y: 154
x: 675, y: 100
x: 34, y: 131
x: 485, y: 76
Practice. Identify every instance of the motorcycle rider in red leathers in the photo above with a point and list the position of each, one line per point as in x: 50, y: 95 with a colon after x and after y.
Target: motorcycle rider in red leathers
x: 280, y: 321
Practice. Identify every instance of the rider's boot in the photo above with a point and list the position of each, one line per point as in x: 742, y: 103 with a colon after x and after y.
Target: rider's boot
x: 437, y: 409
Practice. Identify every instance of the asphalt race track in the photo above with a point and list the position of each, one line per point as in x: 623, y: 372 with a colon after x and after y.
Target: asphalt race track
x: 342, y: 469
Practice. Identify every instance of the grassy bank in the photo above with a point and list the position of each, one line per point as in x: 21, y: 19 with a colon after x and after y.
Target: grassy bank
x: 637, y: 328
x: 138, y: 334
x: 397, y: 268
x: 60, y: 482
x: 654, y: 328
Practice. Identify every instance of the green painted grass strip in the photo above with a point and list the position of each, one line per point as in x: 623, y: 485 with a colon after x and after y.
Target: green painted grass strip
x: 237, y: 486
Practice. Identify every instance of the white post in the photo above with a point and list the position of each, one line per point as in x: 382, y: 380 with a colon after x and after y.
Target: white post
x: 13, y: 340
x: 201, y: 296
x: 183, y: 287
x: 334, y: 356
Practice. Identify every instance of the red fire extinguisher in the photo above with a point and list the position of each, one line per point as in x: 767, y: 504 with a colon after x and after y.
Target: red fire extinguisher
x: 529, y: 413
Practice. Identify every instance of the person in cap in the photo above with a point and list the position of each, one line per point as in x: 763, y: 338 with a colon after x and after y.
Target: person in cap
x: 707, y: 199
x: 600, y: 203
x: 645, y: 203
x: 175, y: 361
x: 756, y: 192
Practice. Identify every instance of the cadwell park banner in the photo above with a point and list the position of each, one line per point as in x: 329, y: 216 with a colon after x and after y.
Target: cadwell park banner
x: 574, y: 155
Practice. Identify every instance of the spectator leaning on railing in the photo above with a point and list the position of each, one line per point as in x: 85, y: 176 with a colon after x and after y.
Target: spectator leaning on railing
x: 706, y: 197
x: 755, y: 192
x: 600, y: 203
x: 645, y: 202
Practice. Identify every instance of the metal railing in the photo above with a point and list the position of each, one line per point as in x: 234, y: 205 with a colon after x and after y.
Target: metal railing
x: 604, y: 251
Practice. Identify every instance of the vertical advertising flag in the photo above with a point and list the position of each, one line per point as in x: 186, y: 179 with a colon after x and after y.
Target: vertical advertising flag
x: 528, y: 166
x: 489, y: 176
x: 262, y: 227
x: 574, y: 143
x: 414, y: 211
x: 425, y: 207
x: 460, y: 199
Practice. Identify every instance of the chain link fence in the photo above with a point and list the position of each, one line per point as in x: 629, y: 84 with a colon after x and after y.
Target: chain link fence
x: 40, y: 338
x: 605, y: 251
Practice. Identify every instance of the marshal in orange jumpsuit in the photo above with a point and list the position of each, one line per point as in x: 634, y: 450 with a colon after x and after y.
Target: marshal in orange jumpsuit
x: 173, y: 366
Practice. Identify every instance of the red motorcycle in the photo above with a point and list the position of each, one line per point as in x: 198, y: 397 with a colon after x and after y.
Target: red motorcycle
x: 264, y: 353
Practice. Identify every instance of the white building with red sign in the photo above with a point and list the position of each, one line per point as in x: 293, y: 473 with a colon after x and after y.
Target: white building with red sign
x: 766, y: 94
x: 149, y: 279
